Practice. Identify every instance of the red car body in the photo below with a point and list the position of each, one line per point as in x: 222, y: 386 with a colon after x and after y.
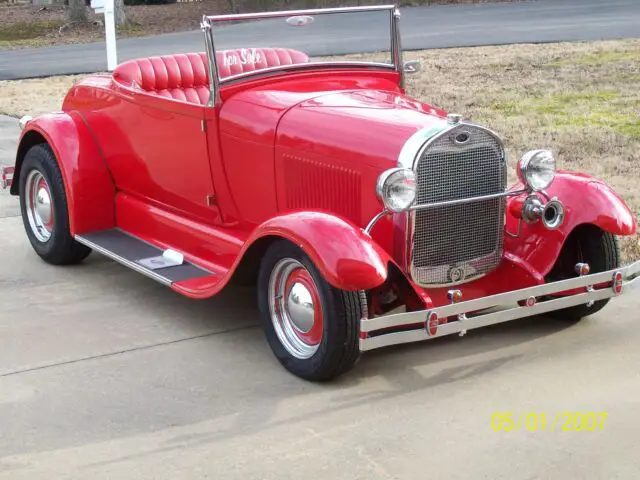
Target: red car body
x: 292, y: 155
x: 157, y: 187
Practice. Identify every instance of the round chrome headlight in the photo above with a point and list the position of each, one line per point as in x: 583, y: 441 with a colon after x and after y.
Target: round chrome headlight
x: 396, y: 189
x: 537, y: 169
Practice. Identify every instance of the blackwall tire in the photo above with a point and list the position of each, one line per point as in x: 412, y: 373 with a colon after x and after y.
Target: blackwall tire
x: 312, y: 328
x: 590, y: 245
x: 43, y: 205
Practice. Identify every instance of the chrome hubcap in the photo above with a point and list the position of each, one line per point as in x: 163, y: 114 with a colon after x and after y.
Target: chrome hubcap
x: 39, y: 206
x: 295, y: 308
x: 300, y: 307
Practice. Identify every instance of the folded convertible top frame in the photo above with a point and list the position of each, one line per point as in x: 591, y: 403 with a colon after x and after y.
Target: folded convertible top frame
x: 426, y: 324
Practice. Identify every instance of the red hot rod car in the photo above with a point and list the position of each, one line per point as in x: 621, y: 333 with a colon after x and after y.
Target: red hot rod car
x: 366, y: 218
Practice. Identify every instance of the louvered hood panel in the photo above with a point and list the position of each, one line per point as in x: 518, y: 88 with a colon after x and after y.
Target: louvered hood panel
x: 331, y: 149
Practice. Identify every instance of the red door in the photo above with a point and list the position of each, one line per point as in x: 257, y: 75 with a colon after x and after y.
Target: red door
x: 157, y: 149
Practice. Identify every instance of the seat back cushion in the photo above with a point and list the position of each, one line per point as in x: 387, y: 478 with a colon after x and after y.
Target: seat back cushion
x: 235, y: 62
x: 184, y: 77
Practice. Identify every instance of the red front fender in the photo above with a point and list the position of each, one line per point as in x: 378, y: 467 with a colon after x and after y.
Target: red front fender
x: 87, y: 182
x: 347, y: 257
x: 586, y: 201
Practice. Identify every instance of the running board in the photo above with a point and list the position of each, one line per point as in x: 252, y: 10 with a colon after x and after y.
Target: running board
x: 164, y: 266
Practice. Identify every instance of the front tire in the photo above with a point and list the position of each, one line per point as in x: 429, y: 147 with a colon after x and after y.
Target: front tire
x: 588, y: 244
x: 43, y: 204
x: 312, y: 327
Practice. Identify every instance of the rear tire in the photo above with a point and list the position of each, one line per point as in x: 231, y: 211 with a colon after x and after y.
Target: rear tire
x: 314, y: 331
x: 588, y: 244
x: 43, y: 204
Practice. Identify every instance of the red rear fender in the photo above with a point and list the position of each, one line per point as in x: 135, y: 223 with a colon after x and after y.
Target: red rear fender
x: 88, y: 184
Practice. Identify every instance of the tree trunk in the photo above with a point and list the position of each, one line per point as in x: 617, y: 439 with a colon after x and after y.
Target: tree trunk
x: 119, y: 15
x: 77, y: 12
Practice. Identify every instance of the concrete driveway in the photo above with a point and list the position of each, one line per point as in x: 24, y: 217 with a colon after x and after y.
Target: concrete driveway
x: 105, y: 374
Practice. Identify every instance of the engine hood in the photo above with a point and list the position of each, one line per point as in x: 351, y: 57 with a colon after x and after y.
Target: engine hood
x: 368, y: 126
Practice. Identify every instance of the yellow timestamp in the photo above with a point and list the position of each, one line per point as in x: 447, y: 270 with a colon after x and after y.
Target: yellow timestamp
x: 541, y: 422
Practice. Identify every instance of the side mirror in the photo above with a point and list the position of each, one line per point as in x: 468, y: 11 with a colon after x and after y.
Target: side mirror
x: 412, y: 66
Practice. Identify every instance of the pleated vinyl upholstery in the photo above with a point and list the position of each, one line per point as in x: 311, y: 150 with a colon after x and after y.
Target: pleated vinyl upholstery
x: 184, y: 77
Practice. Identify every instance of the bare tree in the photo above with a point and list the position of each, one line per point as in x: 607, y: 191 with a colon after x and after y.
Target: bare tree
x: 119, y: 15
x: 77, y: 11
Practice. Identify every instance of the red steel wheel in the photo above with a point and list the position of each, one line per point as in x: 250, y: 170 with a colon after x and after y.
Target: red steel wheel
x: 43, y: 204
x: 312, y: 327
x: 296, y: 311
x: 39, y: 206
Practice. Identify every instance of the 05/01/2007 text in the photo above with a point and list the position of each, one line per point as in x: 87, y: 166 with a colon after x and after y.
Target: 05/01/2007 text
x: 507, y: 421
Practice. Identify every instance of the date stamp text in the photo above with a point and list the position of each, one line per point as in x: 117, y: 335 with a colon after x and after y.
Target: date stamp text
x: 507, y: 421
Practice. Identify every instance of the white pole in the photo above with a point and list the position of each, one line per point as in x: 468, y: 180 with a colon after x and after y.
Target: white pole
x: 110, y: 34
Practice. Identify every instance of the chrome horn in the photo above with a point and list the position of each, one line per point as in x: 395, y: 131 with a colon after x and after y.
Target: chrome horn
x: 553, y: 214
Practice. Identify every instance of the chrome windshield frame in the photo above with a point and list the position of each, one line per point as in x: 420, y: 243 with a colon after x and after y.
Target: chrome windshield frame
x: 209, y: 21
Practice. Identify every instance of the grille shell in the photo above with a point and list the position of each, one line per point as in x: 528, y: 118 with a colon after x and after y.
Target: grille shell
x: 454, y: 244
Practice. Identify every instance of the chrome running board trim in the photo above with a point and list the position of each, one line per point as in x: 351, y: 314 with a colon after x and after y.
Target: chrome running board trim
x: 134, y: 253
x: 127, y: 263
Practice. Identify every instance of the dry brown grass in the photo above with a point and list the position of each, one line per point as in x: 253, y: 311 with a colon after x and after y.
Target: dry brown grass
x: 34, y: 96
x: 582, y: 100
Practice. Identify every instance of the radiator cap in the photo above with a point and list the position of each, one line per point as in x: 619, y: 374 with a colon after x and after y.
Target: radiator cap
x: 454, y: 118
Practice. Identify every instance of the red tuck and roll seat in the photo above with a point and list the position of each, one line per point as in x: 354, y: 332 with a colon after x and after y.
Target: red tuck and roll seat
x: 184, y: 77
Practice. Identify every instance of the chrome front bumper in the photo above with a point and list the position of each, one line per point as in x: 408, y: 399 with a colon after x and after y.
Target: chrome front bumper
x: 425, y: 324
x: 6, y: 176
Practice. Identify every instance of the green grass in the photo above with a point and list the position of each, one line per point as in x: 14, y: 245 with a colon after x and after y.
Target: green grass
x: 622, y: 123
x: 599, y: 58
x: 28, y: 30
x: 42, y: 33
x: 600, y: 108
x: 132, y: 29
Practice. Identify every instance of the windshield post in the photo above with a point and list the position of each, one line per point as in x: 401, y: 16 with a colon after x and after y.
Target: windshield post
x: 207, y: 28
x: 396, y: 45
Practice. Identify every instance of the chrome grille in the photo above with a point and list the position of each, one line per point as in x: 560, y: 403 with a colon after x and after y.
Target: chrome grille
x: 456, y: 243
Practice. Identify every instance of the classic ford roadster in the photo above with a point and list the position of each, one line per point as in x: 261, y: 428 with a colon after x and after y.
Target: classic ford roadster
x: 365, y: 218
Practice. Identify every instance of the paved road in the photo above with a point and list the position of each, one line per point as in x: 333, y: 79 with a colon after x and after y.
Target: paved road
x: 105, y: 374
x: 422, y: 27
